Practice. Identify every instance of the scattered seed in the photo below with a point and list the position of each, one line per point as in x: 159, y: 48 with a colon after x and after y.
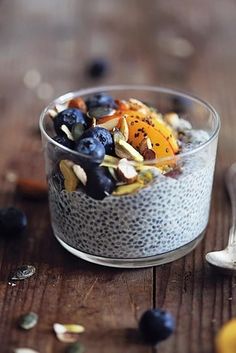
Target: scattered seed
x: 101, y: 112
x: 77, y: 131
x: 76, y: 347
x: 24, y: 350
x: 22, y: 273
x: 68, y: 333
x: 28, y: 321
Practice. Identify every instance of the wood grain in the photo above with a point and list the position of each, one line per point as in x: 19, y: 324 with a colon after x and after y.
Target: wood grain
x: 57, y: 39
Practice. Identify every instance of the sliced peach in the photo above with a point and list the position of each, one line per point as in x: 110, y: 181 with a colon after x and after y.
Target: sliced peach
x: 139, y: 129
x: 153, y: 120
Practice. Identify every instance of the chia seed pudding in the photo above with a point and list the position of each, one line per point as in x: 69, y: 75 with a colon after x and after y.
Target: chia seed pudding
x: 148, y: 197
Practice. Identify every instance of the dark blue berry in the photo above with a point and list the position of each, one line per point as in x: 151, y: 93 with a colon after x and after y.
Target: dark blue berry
x: 156, y: 325
x: 101, y: 100
x: 100, y: 183
x: 69, y: 117
x: 180, y: 105
x: 92, y: 150
x: 103, y: 136
x: 97, y: 68
x: 63, y: 140
x: 12, y: 221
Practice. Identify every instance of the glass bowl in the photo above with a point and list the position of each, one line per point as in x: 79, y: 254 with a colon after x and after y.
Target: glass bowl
x: 157, y: 224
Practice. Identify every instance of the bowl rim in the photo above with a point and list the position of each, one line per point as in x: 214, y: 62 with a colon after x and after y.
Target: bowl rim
x: 158, y: 89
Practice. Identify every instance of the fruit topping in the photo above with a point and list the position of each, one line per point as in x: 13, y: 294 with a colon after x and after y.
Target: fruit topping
x: 92, y: 148
x: 113, y: 139
x: 101, y: 100
x: 138, y: 130
x: 126, y: 172
x: 100, y: 183
x: 12, y: 221
x: 69, y: 117
x: 102, y: 135
x: 156, y: 325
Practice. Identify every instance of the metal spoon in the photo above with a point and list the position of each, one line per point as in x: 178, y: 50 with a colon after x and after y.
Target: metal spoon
x: 226, y: 259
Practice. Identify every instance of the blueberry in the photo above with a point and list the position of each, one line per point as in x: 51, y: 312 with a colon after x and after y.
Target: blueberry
x: 63, y: 140
x: 100, y: 183
x: 102, y: 135
x: 12, y: 221
x: 156, y: 325
x: 69, y: 117
x: 92, y: 148
x: 101, y: 100
x: 97, y: 68
x: 180, y: 105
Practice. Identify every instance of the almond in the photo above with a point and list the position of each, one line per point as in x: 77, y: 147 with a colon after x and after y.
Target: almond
x: 124, y: 128
x: 80, y: 173
x: 126, y: 171
x: 146, y: 150
x: 124, y: 150
x: 78, y: 103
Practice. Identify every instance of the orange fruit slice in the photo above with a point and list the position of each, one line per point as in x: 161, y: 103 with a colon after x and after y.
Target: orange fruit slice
x: 153, y: 120
x: 139, y: 129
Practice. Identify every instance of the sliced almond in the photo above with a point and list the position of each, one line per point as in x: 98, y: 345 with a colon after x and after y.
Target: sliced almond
x: 145, y: 176
x: 110, y: 124
x: 117, y: 135
x: 110, y: 161
x: 126, y: 171
x: 53, y: 113
x: 113, y: 173
x: 78, y: 103
x: 124, y: 128
x: 146, y: 150
x: 124, y: 150
x: 60, y: 107
x: 70, y: 179
x: 80, y: 173
x: 65, y: 129
x: 127, y: 189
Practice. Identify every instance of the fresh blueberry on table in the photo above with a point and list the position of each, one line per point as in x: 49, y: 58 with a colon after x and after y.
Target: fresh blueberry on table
x: 63, y: 140
x: 97, y: 68
x: 101, y: 100
x: 102, y: 135
x: 156, y: 325
x: 92, y: 148
x: 12, y: 221
x: 69, y: 117
x: 100, y: 183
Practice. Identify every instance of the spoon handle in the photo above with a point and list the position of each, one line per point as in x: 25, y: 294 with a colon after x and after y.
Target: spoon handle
x: 230, y: 180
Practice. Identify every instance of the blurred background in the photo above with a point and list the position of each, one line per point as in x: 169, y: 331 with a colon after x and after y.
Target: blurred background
x: 51, y: 47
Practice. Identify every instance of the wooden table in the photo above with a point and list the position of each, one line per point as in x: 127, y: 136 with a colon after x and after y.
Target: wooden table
x: 182, y: 44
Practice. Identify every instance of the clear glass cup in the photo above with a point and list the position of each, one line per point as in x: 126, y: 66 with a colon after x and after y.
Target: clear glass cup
x: 159, y: 223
